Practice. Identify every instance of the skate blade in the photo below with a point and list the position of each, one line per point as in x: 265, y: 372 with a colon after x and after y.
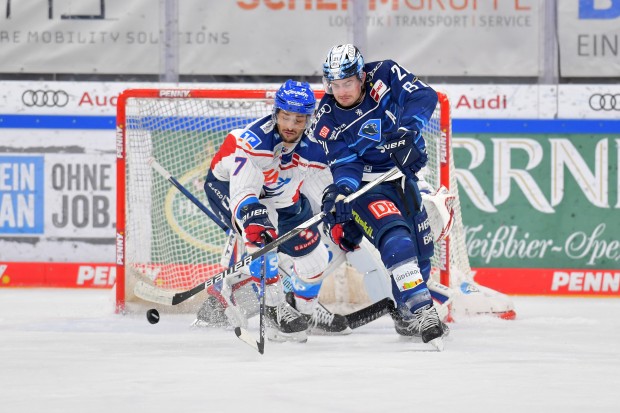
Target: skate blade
x: 280, y: 337
x: 417, y: 344
x: 437, y: 343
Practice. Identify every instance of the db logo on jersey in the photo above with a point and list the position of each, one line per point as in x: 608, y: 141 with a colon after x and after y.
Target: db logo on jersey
x: 381, y: 209
x: 378, y: 90
x: 324, y: 131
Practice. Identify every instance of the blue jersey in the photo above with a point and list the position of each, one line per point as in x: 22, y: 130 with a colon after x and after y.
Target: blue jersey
x: 352, y: 137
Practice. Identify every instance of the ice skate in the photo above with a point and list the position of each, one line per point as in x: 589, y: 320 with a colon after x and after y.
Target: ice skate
x: 284, y: 323
x: 406, y: 326
x: 430, y: 326
x: 322, y: 321
x: 409, y: 326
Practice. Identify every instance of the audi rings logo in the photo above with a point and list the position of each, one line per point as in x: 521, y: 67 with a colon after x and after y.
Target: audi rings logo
x: 605, y: 101
x: 45, y: 98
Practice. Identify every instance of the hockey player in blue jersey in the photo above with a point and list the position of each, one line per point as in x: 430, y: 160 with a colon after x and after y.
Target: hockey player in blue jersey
x: 368, y: 122
x: 254, y: 185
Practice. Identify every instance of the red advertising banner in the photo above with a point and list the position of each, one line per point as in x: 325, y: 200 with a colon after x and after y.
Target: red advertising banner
x: 550, y: 281
x: 63, y: 275
x: 512, y: 281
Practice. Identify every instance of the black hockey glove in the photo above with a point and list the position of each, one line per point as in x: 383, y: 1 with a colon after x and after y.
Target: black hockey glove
x: 336, y: 210
x: 256, y: 224
x: 347, y: 235
x: 407, y: 156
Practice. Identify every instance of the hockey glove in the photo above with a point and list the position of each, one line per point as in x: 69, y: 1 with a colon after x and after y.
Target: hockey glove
x: 336, y: 210
x: 347, y: 236
x: 256, y: 223
x: 405, y: 154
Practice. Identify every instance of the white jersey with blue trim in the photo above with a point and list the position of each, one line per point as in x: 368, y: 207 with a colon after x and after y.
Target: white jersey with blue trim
x: 257, y: 163
x: 353, y: 137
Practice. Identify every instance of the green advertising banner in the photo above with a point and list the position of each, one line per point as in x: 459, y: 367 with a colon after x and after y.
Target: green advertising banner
x: 541, y: 201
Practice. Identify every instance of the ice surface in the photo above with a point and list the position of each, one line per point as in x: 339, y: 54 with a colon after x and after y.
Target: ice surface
x: 66, y: 351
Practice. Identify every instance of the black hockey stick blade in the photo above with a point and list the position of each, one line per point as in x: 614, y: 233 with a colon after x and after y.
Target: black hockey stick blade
x: 371, y: 313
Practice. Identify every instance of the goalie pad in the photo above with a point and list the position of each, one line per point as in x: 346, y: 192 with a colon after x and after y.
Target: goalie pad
x: 366, y: 261
x: 440, y: 209
x: 471, y: 298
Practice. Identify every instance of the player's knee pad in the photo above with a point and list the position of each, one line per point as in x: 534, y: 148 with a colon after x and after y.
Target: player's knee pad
x: 396, y: 246
x: 311, y: 267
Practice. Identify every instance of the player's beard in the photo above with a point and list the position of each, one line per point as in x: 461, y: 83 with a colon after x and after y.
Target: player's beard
x: 290, y: 135
x: 354, y: 103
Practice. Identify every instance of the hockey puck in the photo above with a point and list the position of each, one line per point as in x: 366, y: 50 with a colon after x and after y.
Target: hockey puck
x: 153, y: 316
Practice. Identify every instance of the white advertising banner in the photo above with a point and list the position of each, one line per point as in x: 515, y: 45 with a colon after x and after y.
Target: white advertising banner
x: 58, y: 195
x: 589, y: 32
x: 467, y: 101
x: 268, y: 37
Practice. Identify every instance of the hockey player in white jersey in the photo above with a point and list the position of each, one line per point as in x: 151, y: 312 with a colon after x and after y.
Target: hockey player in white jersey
x: 253, y: 185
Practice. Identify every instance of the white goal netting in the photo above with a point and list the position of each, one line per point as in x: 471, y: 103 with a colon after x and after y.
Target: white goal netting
x: 164, y: 239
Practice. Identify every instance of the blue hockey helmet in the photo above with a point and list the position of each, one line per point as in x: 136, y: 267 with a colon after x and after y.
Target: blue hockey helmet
x: 342, y: 61
x: 295, y: 97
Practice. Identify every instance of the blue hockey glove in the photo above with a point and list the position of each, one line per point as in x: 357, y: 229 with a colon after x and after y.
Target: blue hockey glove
x: 336, y: 210
x: 347, y: 235
x: 256, y: 224
x: 407, y: 156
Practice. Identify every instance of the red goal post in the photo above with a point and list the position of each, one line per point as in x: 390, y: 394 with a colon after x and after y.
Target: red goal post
x: 160, y: 237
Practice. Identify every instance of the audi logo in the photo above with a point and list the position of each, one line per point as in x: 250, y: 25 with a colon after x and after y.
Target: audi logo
x: 605, y: 101
x: 45, y: 98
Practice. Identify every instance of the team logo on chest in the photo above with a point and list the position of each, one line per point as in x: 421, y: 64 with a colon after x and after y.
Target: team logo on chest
x: 371, y: 129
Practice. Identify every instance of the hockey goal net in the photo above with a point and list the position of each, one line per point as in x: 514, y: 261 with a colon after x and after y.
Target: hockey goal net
x: 165, y: 240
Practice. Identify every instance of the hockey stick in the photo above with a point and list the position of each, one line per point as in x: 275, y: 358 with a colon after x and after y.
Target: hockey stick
x: 160, y: 169
x: 242, y: 333
x: 370, y: 313
x: 144, y: 289
x: 172, y: 298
